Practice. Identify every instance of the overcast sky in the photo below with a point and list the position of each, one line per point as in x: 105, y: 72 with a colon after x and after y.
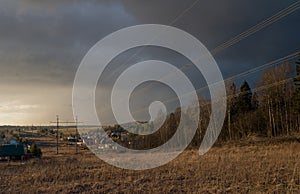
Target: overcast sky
x: 43, y: 42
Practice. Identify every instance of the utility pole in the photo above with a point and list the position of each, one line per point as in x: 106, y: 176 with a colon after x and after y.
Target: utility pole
x: 57, y: 131
x: 76, y: 136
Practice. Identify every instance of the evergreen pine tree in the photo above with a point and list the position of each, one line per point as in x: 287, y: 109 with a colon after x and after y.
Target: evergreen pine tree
x: 244, y: 99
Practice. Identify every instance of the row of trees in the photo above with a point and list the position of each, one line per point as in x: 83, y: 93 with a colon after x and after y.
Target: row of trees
x: 271, y: 109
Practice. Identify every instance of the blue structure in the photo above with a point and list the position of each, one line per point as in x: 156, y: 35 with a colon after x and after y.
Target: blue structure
x: 14, y: 152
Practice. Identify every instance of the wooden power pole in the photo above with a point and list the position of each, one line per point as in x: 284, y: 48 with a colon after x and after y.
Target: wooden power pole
x: 57, y: 131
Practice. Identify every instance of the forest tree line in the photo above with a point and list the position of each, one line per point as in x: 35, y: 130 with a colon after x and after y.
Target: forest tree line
x: 271, y: 109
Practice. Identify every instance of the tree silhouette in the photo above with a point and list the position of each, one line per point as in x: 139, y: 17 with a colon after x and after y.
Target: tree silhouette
x: 244, y: 99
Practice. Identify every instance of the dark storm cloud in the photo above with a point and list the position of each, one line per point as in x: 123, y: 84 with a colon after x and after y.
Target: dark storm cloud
x: 41, y: 46
x: 57, y: 34
x: 215, y: 22
x: 48, y: 40
x: 43, y: 42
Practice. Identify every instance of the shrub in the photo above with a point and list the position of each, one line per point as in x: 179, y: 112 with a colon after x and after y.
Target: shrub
x: 35, y: 151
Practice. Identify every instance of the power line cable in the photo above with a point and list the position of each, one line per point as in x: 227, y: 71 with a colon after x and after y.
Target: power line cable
x: 281, y: 14
x: 269, y: 64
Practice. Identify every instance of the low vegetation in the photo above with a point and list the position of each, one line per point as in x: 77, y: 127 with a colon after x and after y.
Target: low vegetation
x: 261, y: 166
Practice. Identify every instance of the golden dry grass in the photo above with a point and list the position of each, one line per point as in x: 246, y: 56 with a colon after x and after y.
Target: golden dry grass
x: 264, y: 168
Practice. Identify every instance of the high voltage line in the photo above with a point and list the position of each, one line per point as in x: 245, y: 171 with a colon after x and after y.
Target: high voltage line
x: 257, y: 89
x: 272, y: 63
x: 275, y: 62
x: 267, y: 22
x: 250, y: 71
x: 281, y: 14
x: 287, y: 11
x: 260, y: 88
x: 259, y: 68
x: 269, y: 64
x: 264, y: 87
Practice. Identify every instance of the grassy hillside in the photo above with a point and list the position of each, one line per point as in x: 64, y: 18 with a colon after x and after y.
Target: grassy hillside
x: 266, y: 167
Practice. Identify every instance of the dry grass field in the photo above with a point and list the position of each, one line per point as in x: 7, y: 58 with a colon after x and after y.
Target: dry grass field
x: 260, y: 168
